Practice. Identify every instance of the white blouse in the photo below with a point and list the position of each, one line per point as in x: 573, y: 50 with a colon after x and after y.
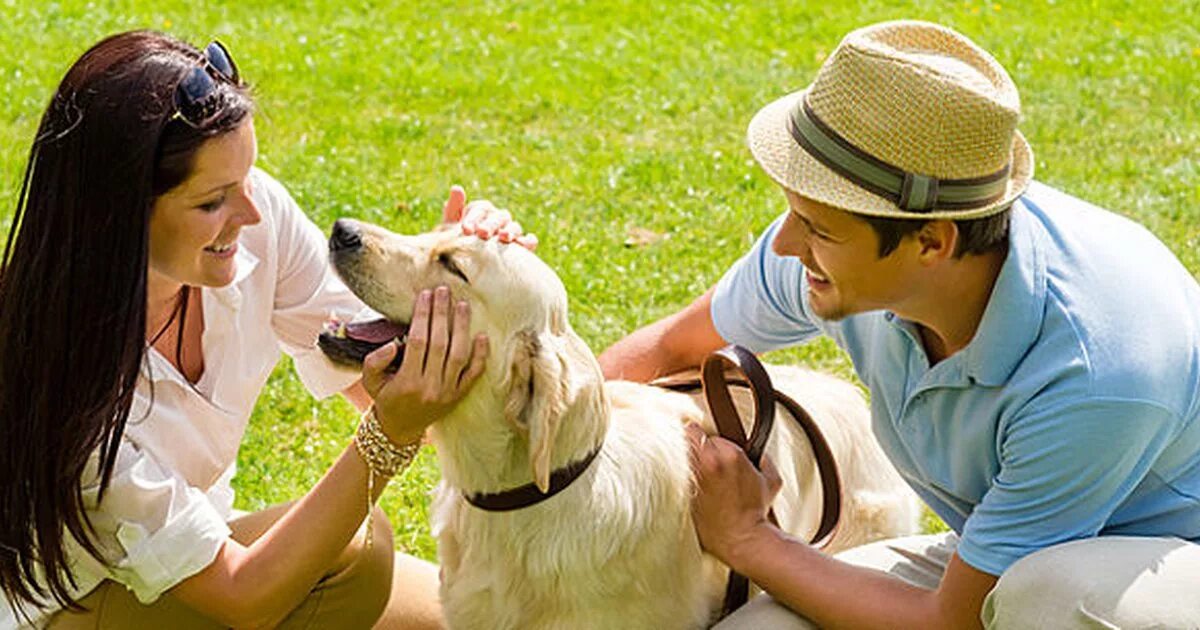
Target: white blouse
x: 163, y: 517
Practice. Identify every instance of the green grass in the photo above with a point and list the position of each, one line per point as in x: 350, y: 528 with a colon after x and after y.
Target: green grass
x: 592, y: 119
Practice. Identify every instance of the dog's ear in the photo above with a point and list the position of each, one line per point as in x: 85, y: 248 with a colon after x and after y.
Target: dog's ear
x: 537, y: 398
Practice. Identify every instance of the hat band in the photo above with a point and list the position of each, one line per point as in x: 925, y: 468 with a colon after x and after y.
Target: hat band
x: 909, y: 191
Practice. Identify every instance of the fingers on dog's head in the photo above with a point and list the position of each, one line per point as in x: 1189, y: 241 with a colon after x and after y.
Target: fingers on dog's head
x: 453, y: 209
x: 528, y: 241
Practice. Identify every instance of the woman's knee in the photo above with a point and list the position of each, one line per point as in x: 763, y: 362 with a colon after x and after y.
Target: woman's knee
x: 376, y: 556
x: 360, y: 582
x: 354, y: 592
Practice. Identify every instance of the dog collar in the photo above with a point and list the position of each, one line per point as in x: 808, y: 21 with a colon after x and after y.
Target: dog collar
x: 529, y: 494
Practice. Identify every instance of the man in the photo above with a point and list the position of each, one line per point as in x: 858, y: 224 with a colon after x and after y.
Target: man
x: 1033, y: 361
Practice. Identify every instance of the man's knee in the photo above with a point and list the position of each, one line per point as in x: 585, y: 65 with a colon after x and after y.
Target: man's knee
x: 764, y: 612
x: 1032, y: 587
x: 1097, y: 582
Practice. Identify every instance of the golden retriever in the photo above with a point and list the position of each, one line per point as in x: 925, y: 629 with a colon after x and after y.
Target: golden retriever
x: 616, y: 548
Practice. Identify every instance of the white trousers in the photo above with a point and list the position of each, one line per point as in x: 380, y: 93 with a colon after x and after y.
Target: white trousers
x: 1105, y: 582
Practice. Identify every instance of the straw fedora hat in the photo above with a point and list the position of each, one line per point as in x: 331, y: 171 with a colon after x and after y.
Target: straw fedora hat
x: 906, y: 120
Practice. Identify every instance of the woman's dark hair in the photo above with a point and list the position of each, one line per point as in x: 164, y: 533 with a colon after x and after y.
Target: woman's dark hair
x: 73, y: 291
x: 975, y: 236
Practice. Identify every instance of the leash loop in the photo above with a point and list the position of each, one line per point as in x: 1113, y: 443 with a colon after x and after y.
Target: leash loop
x: 729, y: 425
x: 720, y: 401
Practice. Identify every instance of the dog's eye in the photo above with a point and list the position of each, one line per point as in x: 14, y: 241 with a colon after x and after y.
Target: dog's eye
x: 447, y: 261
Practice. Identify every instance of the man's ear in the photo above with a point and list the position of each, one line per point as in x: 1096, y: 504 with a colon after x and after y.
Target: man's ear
x: 937, y: 240
x: 537, y: 398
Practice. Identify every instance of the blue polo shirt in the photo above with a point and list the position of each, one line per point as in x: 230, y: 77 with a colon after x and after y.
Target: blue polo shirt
x: 1072, y: 412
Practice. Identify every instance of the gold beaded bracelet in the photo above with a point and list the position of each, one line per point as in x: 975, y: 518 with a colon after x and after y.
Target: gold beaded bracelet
x: 381, y: 455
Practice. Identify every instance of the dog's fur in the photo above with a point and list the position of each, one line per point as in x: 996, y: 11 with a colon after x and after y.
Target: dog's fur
x: 617, y: 548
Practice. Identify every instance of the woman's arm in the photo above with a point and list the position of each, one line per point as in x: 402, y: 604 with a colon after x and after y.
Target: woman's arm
x: 256, y: 586
x: 358, y: 396
x: 259, y: 584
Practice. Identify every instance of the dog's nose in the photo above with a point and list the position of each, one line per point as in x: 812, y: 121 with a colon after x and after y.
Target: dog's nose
x: 345, y: 236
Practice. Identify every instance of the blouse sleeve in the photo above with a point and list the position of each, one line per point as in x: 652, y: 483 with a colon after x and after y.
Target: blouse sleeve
x: 152, y: 528
x: 307, y: 291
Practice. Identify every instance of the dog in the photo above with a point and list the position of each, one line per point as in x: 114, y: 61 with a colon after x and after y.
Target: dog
x: 616, y: 547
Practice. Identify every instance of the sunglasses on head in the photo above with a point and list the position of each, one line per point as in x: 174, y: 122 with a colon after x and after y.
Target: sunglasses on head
x: 195, y: 96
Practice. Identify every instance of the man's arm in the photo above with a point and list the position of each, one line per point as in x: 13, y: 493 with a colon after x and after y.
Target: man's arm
x: 729, y: 509
x: 836, y: 594
x: 676, y: 342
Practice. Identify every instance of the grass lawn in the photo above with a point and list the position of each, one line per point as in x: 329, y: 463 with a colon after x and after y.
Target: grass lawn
x: 614, y: 130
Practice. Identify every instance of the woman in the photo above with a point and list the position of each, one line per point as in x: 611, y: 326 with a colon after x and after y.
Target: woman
x: 150, y: 281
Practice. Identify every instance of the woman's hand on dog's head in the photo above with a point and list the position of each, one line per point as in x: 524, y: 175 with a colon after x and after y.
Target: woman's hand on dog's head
x: 441, y: 362
x: 483, y: 219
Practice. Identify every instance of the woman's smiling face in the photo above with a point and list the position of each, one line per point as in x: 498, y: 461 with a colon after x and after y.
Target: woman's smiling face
x: 194, y: 227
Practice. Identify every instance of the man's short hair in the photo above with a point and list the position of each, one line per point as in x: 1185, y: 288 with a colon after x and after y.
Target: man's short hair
x: 975, y: 236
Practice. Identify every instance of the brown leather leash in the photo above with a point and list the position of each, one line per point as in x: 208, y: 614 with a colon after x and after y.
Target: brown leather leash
x: 750, y: 373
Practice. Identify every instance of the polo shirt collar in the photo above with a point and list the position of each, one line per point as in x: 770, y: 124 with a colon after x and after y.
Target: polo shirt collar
x: 1012, y: 320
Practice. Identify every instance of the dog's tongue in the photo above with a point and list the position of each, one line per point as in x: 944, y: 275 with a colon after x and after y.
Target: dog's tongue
x: 376, y: 331
x: 350, y: 343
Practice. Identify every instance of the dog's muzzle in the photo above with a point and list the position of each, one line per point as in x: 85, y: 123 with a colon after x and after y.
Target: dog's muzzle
x: 350, y: 343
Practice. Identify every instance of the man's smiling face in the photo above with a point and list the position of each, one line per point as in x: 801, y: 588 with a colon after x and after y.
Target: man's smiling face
x: 839, y: 251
